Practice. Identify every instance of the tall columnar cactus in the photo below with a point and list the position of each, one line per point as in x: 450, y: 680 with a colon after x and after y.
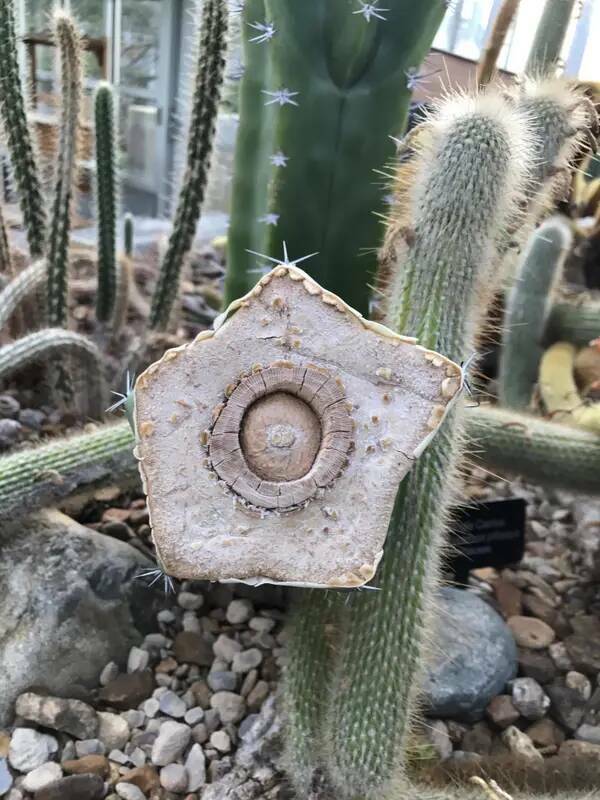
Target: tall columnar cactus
x: 527, y: 310
x: 470, y: 167
x: 549, y: 37
x: 18, y: 135
x: 106, y: 200
x: 325, y: 68
x: 205, y: 101
x: 69, y: 46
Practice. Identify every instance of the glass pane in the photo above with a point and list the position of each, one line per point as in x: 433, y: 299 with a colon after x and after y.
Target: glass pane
x: 140, y: 35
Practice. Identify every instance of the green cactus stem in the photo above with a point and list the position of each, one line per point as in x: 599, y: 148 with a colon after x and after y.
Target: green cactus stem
x: 128, y: 232
x: 69, y: 46
x: 342, y: 70
x: 252, y: 168
x: 42, y: 476
x: 549, y: 37
x: 578, y: 323
x: 18, y: 134
x: 106, y: 200
x: 205, y: 101
x: 56, y: 345
x: 543, y: 452
x: 24, y: 284
x: 124, y: 280
x: 527, y: 311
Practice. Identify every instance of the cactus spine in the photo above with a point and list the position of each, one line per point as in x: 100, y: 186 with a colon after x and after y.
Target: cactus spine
x: 544, y: 452
x: 205, y: 101
x: 549, y: 37
x: 345, y: 70
x: 527, y: 310
x: 18, y: 135
x: 440, y: 265
x: 106, y: 200
x: 69, y: 45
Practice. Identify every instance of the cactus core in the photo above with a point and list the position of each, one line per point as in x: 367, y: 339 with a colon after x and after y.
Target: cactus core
x: 283, y: 434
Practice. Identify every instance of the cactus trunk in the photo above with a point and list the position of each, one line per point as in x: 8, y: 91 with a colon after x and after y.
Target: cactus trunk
x: 67, y: 39
x: 575, y: 323
x: 346, y: 70
x: 549, y: 37
x: 106, y: 201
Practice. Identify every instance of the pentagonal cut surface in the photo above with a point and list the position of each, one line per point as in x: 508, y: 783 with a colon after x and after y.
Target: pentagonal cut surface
x: 271, y: 449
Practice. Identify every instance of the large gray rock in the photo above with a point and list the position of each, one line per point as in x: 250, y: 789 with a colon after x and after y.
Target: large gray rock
x: 473, y: 657
x: 70, y: 604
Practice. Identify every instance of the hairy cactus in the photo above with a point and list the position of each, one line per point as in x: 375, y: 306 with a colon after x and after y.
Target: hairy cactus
x: 527, y: 310
x: 69, y: 45
x: 32, y: 479
x: 106, y: 200
x: 544, y: 452
x: 207, y: 87
x: 22, y: 286
x: 128, y: 234
x: 18, y: 135
x: 441, y: 265
x: 325, y: 70
x: 50, y: 343
x: 559, y: 392
x: 577, y: 323
x: 549, y: 37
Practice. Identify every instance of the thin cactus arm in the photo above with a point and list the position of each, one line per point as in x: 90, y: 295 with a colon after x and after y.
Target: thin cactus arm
x: 540, y: 450
x: 69, y: 47
x: 38, y: 477
x: 106, y: 200
x: 19, y: 138
x: 252, y: 168
x: 128, y: 232
x: 488, y: 60
x: 527, y: 309
x: 6, y: 264
x: 207, y: 87
x: 346, y: 70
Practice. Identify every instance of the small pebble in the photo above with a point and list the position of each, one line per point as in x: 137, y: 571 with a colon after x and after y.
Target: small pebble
x: 138, y: 659
x: 239, y: 611
x: 174, y: 778
x: 189, y: 601
x: 220, y: 741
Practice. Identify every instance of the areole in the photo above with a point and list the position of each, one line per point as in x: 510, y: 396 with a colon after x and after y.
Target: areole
x: 284, y: 433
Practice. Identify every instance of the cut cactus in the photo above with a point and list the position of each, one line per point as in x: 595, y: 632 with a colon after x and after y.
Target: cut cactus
x: 264, y: 443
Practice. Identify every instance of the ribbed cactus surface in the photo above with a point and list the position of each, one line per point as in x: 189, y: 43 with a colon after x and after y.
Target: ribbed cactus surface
x: 527, y: 309
x: 577, y: 323
x: 22, y: 286
x: 339, y: 82
x: 18, y: 134
x: 204, y: 106
x: 106, y: 200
